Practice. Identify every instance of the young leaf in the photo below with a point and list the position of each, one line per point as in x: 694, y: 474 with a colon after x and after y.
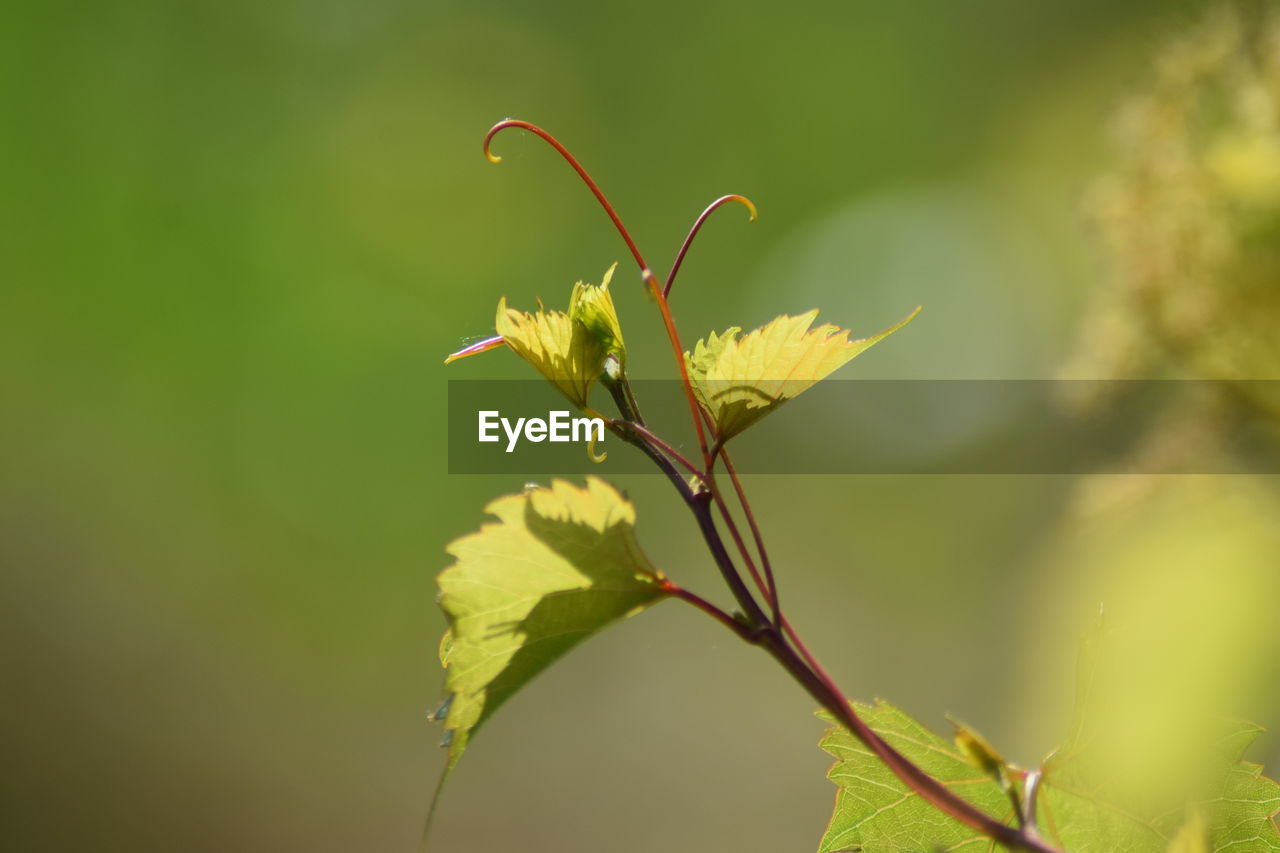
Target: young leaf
x: 592, y: 306
x: 875, y: 811
x: 979, y: 751
x: 568, y: 349
x: 560, y: 564
x: 562, y: 350
x: 740, y: 379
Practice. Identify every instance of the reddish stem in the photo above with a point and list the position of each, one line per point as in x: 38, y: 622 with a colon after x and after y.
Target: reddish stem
x: 823, y: 689
x: 666, y: 448
x: 737, y: 537
x: 745, y: 633
x: 756, y: 535
x: 694, y: 409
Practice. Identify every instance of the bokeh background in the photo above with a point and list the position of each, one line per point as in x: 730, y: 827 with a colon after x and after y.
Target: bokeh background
x: 239, y: 237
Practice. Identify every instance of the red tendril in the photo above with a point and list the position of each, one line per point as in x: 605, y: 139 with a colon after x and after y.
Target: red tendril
x: 577, y: 167
x: 697, y: 226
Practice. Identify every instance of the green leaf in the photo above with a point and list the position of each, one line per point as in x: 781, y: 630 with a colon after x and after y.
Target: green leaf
x: 559, y: 564
x: 570, y: 348
x: 1079, y: 808
x: 1242, y: 817
x: 740, y: 379
x: 877, y: 813
x: 562, y: 349
x: 592, y: 306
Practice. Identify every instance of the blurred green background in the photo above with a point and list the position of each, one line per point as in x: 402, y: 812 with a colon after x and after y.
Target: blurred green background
x: 239, y: 238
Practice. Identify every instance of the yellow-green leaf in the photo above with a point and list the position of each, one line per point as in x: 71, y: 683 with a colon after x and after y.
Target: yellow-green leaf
x: 592, y: 306
x: 567, y: 348
x: 559, y: 564
x: 740, y: 379
x: 562, y: 350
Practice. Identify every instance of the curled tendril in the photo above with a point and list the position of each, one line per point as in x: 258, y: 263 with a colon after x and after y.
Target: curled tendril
x: 577, y: 167
x: 697, y: 226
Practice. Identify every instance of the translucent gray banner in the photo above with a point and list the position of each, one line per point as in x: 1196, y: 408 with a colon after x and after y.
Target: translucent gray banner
x: 1023, y: 427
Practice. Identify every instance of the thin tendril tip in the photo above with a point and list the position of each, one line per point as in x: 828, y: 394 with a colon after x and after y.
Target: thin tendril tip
x: 697, y: 226
x: 488, y: 140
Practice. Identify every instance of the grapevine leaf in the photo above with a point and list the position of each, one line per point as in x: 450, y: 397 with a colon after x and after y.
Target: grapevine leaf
x: 592, y: 306
x: 1079, y: 808
x: 740, y: 379
x: 1242, y: 817
x: 875, y: 812
x: 561, y: 563
x: 570, y: 348
x: 563, y: 351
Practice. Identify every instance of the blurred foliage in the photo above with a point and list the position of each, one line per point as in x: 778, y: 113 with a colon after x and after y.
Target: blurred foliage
x: 1191, y: 215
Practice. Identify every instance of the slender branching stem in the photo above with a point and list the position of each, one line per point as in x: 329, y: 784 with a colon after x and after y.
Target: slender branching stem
x: 804, y: 669
x: 736, y: 535
x: 761, y: 550
x: 744, y: 633
x: 776, y: 635
x: 624, y: 398
x: 631, y: 429
x: 632, y: 403
x: 675, y: 455
x: 695, y: 410
x: 699, y: 504
x: 701, y: 508
x: 766, y: 583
